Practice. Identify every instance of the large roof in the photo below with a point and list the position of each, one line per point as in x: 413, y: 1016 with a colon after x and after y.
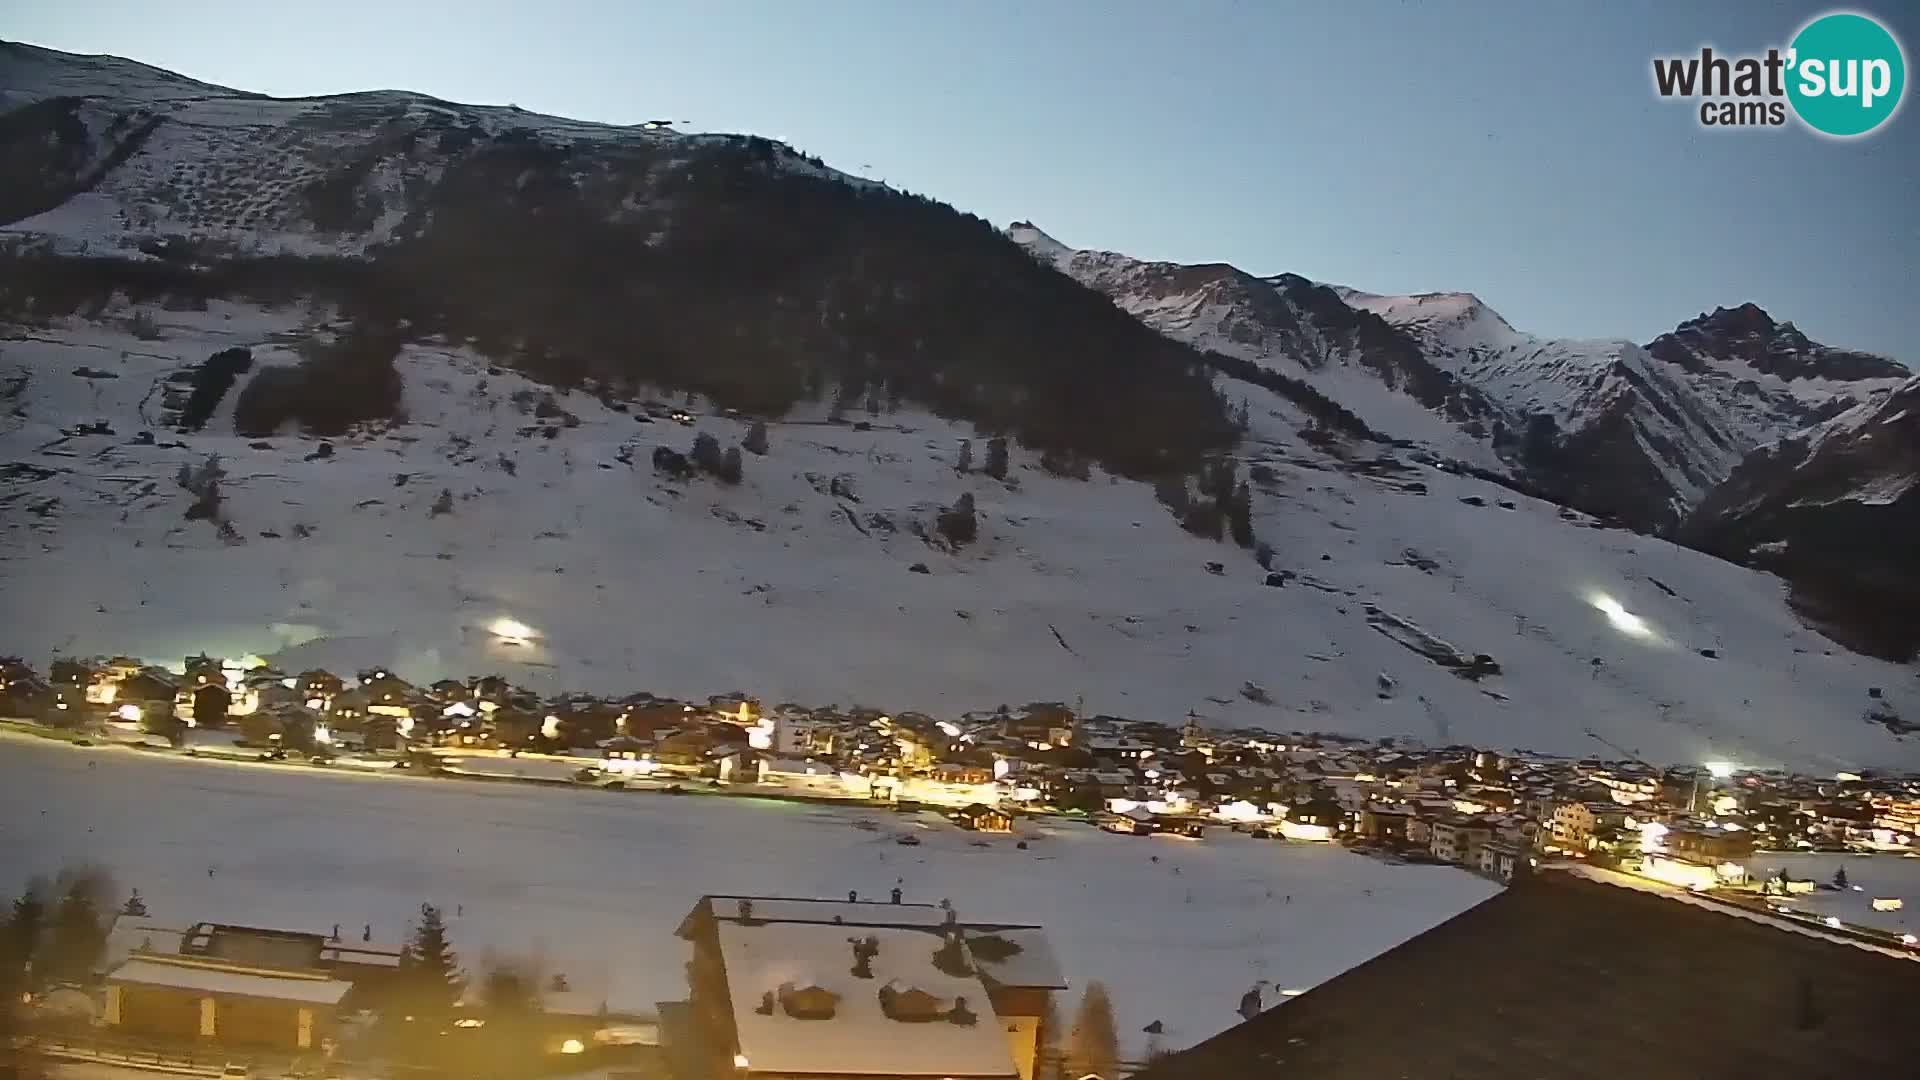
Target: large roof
x: 860, y: 1039
x: 1033, y: 966
x: 212, y: 979
x: 1573, y: 977
x: 132, y: 934
x: 848, y: 912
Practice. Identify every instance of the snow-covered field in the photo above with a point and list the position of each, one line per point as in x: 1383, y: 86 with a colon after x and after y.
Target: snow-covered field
x: 787, y: 589
x: 595, y: 882
x: 1869, y: 877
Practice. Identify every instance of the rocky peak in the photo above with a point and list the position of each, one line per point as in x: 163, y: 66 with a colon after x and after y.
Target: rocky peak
x: 1747, y: 335
x: 1748, y: 318
x: 1038, y: 244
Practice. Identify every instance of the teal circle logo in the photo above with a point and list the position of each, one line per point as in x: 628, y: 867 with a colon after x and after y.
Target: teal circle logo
x: 1845, y: 74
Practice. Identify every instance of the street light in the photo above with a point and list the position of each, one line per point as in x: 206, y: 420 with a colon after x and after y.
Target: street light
x: 1718, y: 770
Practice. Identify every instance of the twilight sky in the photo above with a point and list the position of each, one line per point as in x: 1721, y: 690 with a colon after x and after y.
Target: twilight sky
x: 1515, y: 150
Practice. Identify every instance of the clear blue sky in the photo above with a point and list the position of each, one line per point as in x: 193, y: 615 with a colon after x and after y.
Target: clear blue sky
x: 1512, y: 149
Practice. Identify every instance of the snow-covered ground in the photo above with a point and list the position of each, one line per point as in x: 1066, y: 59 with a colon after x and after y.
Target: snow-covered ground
x: 1869, y: 877
x: 785, y: 589
x: 593, y: 883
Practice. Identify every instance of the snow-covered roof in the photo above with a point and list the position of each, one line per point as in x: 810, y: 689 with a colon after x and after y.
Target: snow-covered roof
x: 132, y: 933
x: 212, y: 979
x: 1033, y: 966
x: 358, y: 953
x: 216, y: 914
x: 851, y: 913
x: 860, y: 1038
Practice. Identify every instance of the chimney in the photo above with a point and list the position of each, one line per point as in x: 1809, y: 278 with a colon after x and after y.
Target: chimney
x: 896, y: 894
x: 746, y: 910
x: 853, y: 896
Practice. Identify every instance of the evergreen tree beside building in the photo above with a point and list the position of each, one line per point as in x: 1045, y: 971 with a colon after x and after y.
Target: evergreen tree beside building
x: 1093, y: 1046
x: 429, y: 983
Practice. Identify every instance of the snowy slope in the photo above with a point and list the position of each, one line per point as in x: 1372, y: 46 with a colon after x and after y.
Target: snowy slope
x: 784, y: 589
x: 1834, y: 508
x: 243, y: 174
x: 33, y: 74
x: 1219, y: 308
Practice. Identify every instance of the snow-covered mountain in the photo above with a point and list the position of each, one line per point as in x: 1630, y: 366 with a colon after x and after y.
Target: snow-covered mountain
x: 1640, y: 433
x: 452, y: 340
x: 822, y: 577
x: 1836, y: 508
x: 1293, y: 326
x: 135, y: 159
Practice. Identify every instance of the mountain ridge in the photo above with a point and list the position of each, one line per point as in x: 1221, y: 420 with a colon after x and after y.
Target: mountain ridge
x: 1638, y: 432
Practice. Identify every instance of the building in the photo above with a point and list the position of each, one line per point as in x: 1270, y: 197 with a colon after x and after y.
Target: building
x: 1135, y: 821
x: 1520, y: 833
x: 956, y: 772
x: 797, y: 733
x: 236, y: 986
x: 1458, y: 840
x: 1500, y: 861
x: 983, y: 818
x: 151, y: 691
x: 1896, y: 813
x: 1574, y: 823
x: 180, y: 999
x: 1539, y: 980
x: 1706, y: 845
x: 1420, y: 830
x: 785, y: 987
x: 1676, y: 871
x: 1384, y: 824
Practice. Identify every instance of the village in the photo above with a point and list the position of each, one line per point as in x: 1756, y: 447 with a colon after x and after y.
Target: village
x: 196, y: 991
x: 1694, y: 826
